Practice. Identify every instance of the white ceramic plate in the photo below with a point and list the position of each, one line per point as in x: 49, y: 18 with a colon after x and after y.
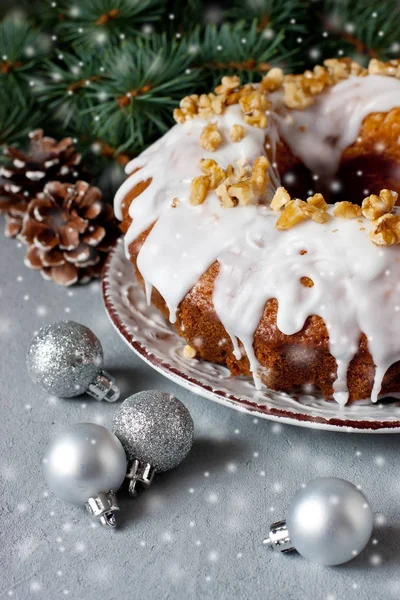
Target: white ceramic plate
x: 156, y: 342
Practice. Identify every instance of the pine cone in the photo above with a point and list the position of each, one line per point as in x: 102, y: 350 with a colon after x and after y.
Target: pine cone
x: 27, y: 174
x: 69, y: 231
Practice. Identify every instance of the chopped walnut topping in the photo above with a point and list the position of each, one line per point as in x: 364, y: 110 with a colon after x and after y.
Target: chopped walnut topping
x: 342, y: 68
x: 206, y: 105
x: 257, y: 119
x: 234, y: 97
x: 338, y: 68
x: 230, y: 173
x: 175, y: 202
x: 187, y: 108
x: 357, y: 70
x: 243, y: 191
x: 280, y: 199
x: 390, y: 68
x: 237, y: 132
x: 272, y: 80
x: 318, y: 201
x: 217, y: 103
x: 259, y: 175
x: 294, y: 212
x: 241, y: 171
x: 347, y: 210
x: 240, y: 185
x: 295, y: 96
x: 189, y: 103
x: 313, y: 82
x: 385, y: 231
x: 319, y: 215
x: 375, y: 206
x: 210, y: 167
x: 253, y: 100
x: 226, y: 200
x: 204, y: 101
x: 254, y: 104
x: 228, y: 84
x: 210, y: 137
x: 299, y: 90
x: 199, y: 189
x: 179, y: 115
x: 189, y: 352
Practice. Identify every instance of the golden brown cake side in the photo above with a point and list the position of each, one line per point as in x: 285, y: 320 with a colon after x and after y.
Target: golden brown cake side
x: 289, y: 361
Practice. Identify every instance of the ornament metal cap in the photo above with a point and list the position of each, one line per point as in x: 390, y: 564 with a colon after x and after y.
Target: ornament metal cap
x: 104, y: 387
x: 104, y: 506
x: 278, y: 538
x: 140, y: 475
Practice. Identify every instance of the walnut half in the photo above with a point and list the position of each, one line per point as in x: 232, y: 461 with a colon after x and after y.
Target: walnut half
x: 237, y: 132
x: 385, y: 231
x: 347, y: 210
x: 280, y: 199
x: 375, y: 206
x: 210, y: 137
x: 199, y: 189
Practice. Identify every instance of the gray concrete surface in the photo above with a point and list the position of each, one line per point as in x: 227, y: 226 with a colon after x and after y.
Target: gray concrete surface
x: 197, y: 534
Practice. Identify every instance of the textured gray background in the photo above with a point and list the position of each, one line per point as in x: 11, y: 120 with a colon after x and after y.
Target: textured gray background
x: 198, y: 532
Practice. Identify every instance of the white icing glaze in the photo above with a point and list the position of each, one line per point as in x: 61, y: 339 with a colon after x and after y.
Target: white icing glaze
x: 356, y: 285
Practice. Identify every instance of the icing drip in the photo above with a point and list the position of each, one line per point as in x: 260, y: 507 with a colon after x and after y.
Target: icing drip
x: 356, y: 285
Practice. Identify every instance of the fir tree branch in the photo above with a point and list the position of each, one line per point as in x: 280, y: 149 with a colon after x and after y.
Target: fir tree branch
x: 16, y: 119
x: 362, y: 30
x: 65, y: 88
x: 142, y: 84
x: 240, y: 49
x: 96, y: 23
x: 183, y: 17
x: 21, y: 50
x: 291, y: 15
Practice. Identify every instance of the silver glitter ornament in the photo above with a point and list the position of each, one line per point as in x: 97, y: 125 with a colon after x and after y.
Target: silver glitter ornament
x: 329, y: 521
x: 156, y: 431
x: 66, y: 359
x: 86, y: 465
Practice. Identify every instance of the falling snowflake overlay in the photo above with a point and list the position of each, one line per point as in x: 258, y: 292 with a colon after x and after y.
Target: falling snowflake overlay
x: 198, y: 532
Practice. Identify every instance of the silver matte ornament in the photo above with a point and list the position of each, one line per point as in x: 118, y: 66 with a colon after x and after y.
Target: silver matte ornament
x: 156, y: 431
x: 85, y: 465
x: 66, y: 359
x: 329, y: 521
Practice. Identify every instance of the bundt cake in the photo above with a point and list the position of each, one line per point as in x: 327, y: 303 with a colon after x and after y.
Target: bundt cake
x: 291, y: 291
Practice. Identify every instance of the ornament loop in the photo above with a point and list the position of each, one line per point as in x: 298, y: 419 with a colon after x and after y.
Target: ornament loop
x: 140, y: 474
x: 108, y: 520
x: 103, y: 506
x: 278, y: 538
x: 104, y: 388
